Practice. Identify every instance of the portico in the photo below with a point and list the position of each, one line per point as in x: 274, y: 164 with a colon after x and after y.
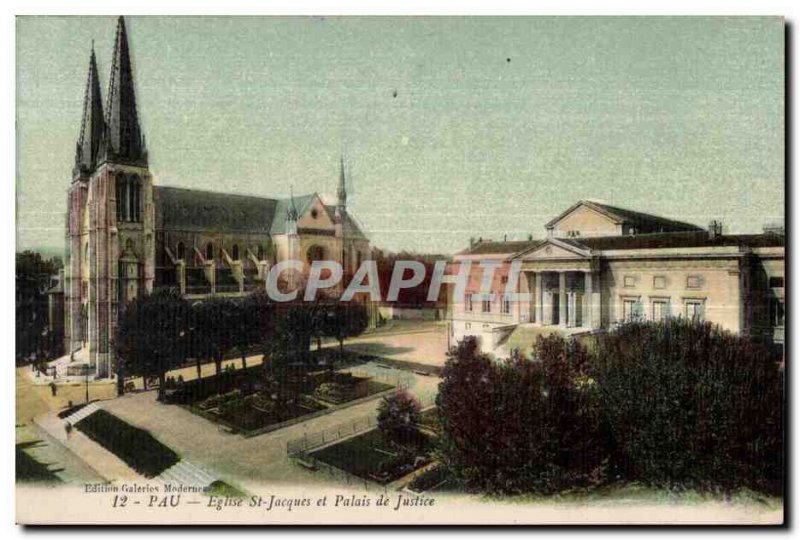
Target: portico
x: 562, y: 284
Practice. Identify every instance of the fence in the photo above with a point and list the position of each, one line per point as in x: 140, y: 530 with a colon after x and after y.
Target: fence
x: 299, y: 448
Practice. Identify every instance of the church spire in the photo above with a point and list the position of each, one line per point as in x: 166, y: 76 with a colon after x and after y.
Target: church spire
x: 92, y: 123
x: 341, y: 192
x: 124, y: 141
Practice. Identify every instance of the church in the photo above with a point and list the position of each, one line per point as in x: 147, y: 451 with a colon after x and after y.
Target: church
x: 599, y: 265
x: 126, y: 236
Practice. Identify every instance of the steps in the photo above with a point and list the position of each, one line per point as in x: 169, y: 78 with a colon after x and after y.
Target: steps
x: 82, y: 413
x: 187, y: 474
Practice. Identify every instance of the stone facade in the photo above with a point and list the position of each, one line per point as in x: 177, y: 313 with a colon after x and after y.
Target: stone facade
x: 577, y: 280
x: 126, y: 236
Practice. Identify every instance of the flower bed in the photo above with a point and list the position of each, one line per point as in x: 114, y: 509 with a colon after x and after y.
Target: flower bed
x: 372, y: 457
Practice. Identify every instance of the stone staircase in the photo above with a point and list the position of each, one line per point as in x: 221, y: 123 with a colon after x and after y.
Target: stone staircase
x: 82, y: 413
x: 187, y: 474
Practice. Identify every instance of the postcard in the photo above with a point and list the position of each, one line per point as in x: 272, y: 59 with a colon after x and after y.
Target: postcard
x: 400, y: 270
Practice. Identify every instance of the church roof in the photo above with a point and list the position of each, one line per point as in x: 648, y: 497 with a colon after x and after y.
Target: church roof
x: 195, y: 210
x: 301, y: 202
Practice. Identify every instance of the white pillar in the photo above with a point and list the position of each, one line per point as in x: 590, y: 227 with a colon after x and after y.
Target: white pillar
x: 587, y: 315
x: 537, y: 298
x: 562, y: 299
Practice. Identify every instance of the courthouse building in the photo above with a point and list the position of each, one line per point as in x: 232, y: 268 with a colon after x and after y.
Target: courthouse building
x: 600, y: 265
x: 126, y: 236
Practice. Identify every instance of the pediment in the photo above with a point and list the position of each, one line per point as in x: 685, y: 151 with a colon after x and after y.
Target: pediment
x: 553, y: 250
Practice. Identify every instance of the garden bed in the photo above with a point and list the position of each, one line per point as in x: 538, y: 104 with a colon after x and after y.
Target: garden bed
x: 370, y: 456
x: 136, y: 447
x: 255, y: 401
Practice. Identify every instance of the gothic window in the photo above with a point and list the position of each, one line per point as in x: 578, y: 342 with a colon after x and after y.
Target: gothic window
x: 209, y: 252
x: 235, y: 252
x: 134, y: 196
x: 122, y: 197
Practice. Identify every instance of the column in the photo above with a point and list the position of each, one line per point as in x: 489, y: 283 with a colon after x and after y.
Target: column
x: 562, y: 299
x: 537, y: 297
x: 588, y: 311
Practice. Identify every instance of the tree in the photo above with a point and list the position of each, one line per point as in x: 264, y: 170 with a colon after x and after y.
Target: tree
x: 150, y: 335
x: 691, y: 405
x: 341, y: 320
x: 33, y: 277
x: 398, y: 416
x: 520, y: 425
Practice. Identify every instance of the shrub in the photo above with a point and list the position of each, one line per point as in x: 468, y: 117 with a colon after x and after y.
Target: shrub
x: 520, y: 425
x: 690, y: 405
x: 398, y: 416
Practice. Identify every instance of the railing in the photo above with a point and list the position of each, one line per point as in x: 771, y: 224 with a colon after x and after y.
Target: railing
x: 300, y: 448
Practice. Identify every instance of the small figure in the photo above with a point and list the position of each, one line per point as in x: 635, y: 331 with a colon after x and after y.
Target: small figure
x: 68, y: 428
x: 53, y: 388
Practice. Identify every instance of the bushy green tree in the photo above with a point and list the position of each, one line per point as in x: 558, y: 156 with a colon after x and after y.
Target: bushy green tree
x: 398, y: 416
x: 690, y: 405
x: 150, y: 335
x: 520, y: 425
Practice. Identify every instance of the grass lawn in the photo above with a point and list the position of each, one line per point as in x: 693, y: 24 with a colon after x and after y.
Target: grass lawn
x: 366, y: 455
x: 136, y: 447
x: 30, y: 470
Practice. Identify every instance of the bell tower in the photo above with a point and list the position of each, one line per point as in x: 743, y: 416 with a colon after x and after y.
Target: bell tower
x: 117, y: 216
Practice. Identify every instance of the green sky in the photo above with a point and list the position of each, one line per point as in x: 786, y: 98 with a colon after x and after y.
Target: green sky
x: 452, y: 127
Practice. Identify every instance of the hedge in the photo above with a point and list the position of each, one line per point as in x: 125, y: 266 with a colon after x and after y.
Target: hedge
x: 136, y: 447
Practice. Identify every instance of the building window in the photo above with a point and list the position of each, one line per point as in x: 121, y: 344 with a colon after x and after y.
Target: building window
x: 660, y: 310
x: 659, y: 282
x: 486, y: 305
x: 134, y: 196
x: 628, y: 310
x: 776, y: 282
x: 694, y: 282
x: 629, y: 281
x: 260, y: 253
x: 209, y: 252
x: 506, y: 306
x: 777, y: 313
x: 467, y: 326
x: 122, y: 197
x: 468, y: 302
x: 181, y: 253
x: 573, y: 233
x: 693, y: 309
x: 235, y: 252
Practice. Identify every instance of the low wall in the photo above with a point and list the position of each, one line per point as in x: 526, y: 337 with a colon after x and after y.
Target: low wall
x: 411, y: 314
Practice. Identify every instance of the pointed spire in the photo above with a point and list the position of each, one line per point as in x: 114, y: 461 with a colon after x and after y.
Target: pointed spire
x: 124, y: 141
x: 292, y: 214
x: 341, y: 192
x: 92, y: 124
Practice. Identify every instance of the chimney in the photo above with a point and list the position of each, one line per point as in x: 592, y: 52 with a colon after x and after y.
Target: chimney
x: 714, y: 229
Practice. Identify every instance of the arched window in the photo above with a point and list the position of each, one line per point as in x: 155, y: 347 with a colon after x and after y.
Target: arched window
x: 181, y: 254
x: 209, y: 252
x: 235, y: 252
x: 122, y: 197
x: 315, y: 253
